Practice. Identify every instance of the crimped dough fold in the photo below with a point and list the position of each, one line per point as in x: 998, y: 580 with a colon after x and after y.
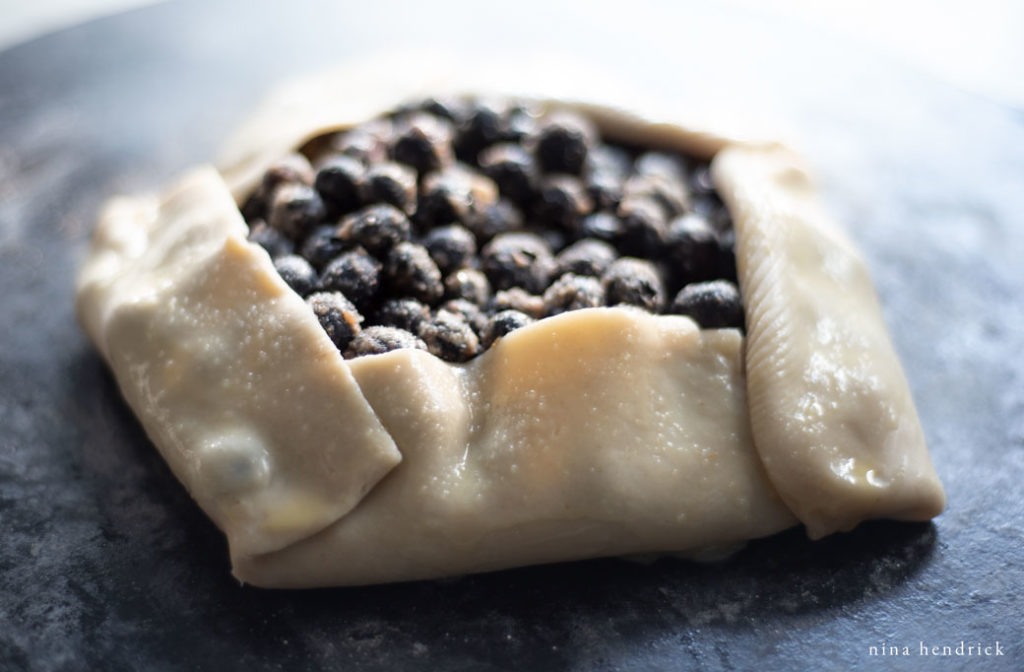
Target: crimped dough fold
x: 246, y: 397
x: 833, y: 419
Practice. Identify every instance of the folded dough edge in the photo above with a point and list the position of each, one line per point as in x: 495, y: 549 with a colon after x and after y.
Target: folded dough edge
x: 599, y: 432
x: 832, y: 414
x: 212, y: 350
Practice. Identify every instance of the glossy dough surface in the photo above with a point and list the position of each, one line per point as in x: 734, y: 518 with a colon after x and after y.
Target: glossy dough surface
x: 234, y: 380
x: 834, y: 422
x: 599, y: 432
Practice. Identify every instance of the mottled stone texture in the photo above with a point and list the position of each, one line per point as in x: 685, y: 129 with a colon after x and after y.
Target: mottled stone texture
x: 105, y: 563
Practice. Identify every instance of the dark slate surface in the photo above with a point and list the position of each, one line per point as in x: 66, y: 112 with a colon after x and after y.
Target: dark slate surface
x: 105, y: 563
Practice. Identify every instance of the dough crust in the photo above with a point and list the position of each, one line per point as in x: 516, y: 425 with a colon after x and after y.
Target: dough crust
x: 835, y: 424
x: 599, y: 432
x: 227, y: 369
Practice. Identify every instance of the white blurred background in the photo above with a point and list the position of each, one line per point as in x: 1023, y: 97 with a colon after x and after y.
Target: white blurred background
x: 977, y: 45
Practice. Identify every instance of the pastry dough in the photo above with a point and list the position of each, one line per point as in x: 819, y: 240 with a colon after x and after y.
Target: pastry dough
x: 604, y: 431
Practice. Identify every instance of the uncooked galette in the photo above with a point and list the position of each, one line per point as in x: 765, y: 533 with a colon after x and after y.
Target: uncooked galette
x: 466, y: 332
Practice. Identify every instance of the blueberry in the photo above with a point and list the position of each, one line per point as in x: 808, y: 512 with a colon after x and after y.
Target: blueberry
x: 451, y: 247
x: 519, y: 300
x: 340, y: 183
x: 502, y: 217
x: 469, y: 284
x: 392, y: 183
x: 378, y: 340
x: 469, y: 311
x: 291, y: 169
x: 563, y: 202
x: 454, y: 195
x: 271, y: 240
x: 338, y: 317
x: 483, y: 126
x: 367, y: 143
x: 424, y: 142
x: 605, y: 191
x: 635, y: 282
x: 692, y: 249
x: 513, y: 169
x: 454, y: 110
x: 573, y: 292
x: 555, y: 239
x: 518, y: 260
x: 727, y: 255
x: 409, y: 271
x: 562, y: 143
x: 378, y: 228
x: 450, y: 337
x: 297, y: 272
x: 713, y: 305
x: 356, y: 275
x: 707, y: 205
x: 295, y: 210
x: 254, y: 208
x: 643, y: 227
x: 405, y: 313
x: 602, y: 226
x: 588, y: 256
x: 503, y: 323
x: 521, y: 123
x: 322, y: 244
x: 609, y: 161
x: 671, y: 195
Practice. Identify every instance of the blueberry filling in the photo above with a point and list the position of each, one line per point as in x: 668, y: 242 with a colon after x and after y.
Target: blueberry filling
x: 446, y: 224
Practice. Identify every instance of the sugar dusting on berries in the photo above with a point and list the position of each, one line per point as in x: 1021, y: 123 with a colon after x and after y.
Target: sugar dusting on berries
x: 446, y: 224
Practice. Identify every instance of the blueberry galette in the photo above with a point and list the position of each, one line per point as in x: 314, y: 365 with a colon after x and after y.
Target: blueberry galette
x: 390, y: 341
